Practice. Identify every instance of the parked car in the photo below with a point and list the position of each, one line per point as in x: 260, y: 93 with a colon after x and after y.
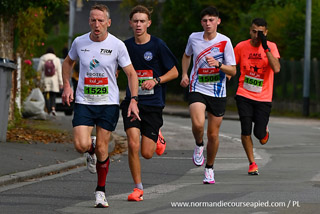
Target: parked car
x: 68, y: 110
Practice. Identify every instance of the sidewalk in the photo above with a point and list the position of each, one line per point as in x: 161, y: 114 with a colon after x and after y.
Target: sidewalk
x: 23, y: 161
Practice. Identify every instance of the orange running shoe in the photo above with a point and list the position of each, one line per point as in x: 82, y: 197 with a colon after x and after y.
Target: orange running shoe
x: 253, y: 169
x: 266, y: 138
x: 137, y: 195
x: 161, y: 144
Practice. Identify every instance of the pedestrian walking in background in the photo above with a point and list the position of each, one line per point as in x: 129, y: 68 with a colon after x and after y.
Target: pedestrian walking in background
x: 51, y: 79
x: 97, y: 96
x: 258, y: 60
x: 155, y: 66
x: 213, y: 60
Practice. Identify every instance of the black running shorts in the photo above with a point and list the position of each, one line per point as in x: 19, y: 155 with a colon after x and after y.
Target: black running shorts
x: 151, y: 120
x: 214, y: 105
x: 251, y: 111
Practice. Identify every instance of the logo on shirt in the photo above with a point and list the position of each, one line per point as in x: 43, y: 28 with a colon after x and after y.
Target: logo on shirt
x: 94, y: 63
x: 105, y: 51
x: 215, y: 49
x: 255, y: 68
x: 148, y: 56
x: 85, y: 50
x: 255, y: 56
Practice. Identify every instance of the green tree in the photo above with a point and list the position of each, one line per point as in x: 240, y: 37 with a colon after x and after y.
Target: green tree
x: 180, y: 19
x: 29, y: 36
x: 315, y: 30
x: 286, y: 23
x: 26, y: 33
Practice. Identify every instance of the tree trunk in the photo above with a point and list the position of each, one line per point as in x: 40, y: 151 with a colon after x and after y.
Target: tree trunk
x: 7, y: 52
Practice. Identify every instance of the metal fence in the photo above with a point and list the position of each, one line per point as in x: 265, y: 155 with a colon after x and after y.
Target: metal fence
x: 288, y: 86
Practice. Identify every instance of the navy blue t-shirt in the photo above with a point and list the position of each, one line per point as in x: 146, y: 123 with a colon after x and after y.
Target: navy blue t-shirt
x: 150, y: 60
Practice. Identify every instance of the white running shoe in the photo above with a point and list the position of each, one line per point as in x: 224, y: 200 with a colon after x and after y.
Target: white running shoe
x: 198, y: 158
x: 208, y: 176
x: 101, y: 201
x: 92, y: 159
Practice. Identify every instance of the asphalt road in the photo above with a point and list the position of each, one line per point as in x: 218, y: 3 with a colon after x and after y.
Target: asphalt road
x: 289, y: 180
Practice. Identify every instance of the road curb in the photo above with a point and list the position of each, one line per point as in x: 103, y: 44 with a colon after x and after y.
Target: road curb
x: 40, y: 172
x: 47, y: 170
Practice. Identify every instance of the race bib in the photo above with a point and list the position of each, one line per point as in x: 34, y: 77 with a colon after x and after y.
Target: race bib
x: 253, y: 81
x: 144, y: 75
x: 96, y: 89
x: 208, y: 75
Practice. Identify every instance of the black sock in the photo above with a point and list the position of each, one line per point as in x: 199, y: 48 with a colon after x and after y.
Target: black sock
x: 200, y: 144
x: 100, y: 188
x: 209, y: 166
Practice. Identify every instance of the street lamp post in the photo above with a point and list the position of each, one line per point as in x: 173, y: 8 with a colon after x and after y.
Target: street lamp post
x: 71, y: 21
x: 307, y: 51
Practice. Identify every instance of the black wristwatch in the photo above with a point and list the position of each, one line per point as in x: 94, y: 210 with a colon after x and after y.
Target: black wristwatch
x: 136, y: 98
x: 158, y: 80
x: 219, y: 66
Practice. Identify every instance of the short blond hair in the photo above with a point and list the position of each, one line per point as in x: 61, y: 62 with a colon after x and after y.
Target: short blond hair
x: 102, y: 8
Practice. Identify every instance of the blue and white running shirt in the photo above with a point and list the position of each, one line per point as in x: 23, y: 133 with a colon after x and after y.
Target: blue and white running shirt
x: 203, y: 78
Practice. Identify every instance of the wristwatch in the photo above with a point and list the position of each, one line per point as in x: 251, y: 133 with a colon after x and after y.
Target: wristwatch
x: 158, y: 80
x: 219, y: 66
x: 136, y: 98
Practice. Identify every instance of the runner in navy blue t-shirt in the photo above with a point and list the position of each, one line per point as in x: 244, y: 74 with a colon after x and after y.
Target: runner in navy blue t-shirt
x: 155, y: 66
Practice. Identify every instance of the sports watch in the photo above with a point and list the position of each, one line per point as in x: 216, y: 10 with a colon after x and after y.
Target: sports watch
x: 158, y: 80
x: 136, y: 98
x: 219, y: 66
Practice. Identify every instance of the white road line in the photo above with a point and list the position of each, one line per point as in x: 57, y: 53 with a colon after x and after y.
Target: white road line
x: 189, y: 158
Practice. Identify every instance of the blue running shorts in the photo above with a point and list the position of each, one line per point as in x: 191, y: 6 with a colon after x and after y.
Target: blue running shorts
x: 104, y: 116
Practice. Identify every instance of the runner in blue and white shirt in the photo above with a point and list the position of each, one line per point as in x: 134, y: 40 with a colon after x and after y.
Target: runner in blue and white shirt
x: 213, y: 60
x: 204, y: 78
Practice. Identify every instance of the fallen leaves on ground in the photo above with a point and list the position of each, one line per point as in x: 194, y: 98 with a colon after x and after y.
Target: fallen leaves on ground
x: 120, y: 145
x: 33, y: 131
x: 29, y: 134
